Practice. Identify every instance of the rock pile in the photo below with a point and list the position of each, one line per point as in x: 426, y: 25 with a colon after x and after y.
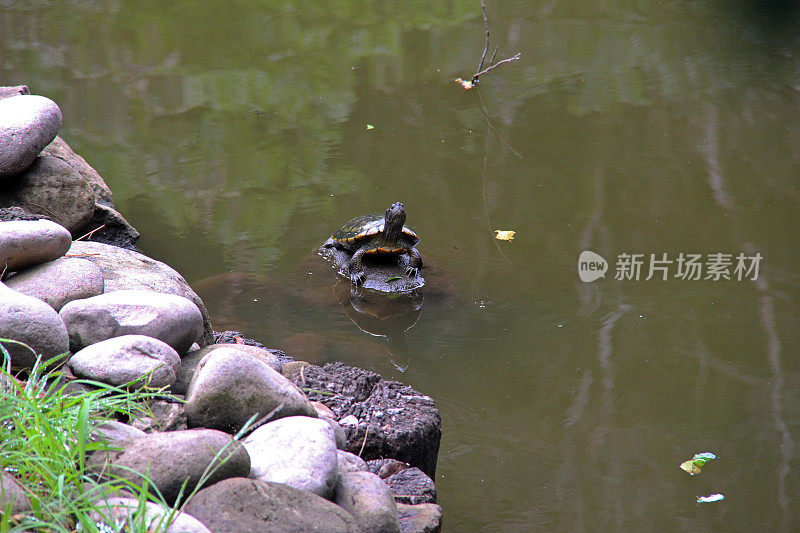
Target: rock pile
x: 118, y: 317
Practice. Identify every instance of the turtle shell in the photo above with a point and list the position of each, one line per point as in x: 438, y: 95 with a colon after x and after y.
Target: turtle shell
x: 361, y: 229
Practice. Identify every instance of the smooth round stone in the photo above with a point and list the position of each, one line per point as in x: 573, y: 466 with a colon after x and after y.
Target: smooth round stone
x: 27, y: 124
x: 191, y: 360
x: 367, y: 498
x: 230, y: 386
x: 172, y: 319
x: 114, y: 511
x: 123, y: 359
x: 298, y: 451
x: 59, y: 282
x: 31, y: 321
x: 25, y: 243
x: 51, y: 188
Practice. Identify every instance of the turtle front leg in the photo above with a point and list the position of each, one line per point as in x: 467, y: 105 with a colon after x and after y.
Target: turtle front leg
x: 415, y: 263
x: 355, y: 270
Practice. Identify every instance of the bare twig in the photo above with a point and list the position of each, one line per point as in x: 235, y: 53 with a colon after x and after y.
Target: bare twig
x: 469, y: 84
x: 487, y: 69
x: 486, y: 25
x: 89, y: 235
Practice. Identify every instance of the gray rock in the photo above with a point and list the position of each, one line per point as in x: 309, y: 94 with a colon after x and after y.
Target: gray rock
x: 350, y: 462
x: 127, y: 269
x: 12, y: 493
x: 422, y: 518
x: 51, y: 188
x: 169, y: 459
x: 190, y: 361
x: 400, y: 422
x: 106, y: 224
x: 252, y: 506
x: 365, y: 496
x: 118, y: 514
x: 59, y: 282
x: 298, y: 451
x: 169, y: 318
x: 231, y: 386
x: 115, y: 433
x: 31, y: 321
x: 120, y: 360
x: 412, y: 486
x: 27, y: 124
x: 167, y: 416
x: 24, y: 243
x: 338, y: 432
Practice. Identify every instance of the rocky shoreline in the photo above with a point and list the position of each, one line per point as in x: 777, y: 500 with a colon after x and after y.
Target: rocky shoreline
x: 333, y: 448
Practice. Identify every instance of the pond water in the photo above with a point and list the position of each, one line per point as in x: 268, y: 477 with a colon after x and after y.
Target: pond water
x: 237, y: 136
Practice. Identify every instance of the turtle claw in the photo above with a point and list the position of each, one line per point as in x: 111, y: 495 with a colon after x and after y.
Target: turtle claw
x: 412, y: 272
x: 357, y: 278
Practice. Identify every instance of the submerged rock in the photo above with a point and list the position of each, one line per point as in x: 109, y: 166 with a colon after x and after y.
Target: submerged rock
x: 169, y: 318
x: 27, y: 124
x: 298, y: 451
x: 253, y: 506
x: 59, y: 282
x: 422, y: 518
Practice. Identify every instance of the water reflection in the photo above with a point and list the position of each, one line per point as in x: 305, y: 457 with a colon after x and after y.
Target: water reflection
x: 383, y: 315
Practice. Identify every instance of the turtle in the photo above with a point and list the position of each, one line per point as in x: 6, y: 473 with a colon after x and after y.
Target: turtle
x: 378, y: 234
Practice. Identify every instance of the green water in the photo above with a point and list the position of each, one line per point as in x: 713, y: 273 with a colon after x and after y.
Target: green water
x: 234, y: 136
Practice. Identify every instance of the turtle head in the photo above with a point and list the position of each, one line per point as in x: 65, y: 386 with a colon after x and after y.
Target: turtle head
x: 393, y: 221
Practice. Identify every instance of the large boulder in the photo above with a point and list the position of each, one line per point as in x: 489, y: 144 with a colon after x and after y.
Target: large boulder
x: 365, y: 496
x: 27, y: 124
x: 51, y: 188
x: 107, y: 225
x: 30, y: 321
x: 298, y: 451
x: 253, y: 506
x: 59, y: 282
x: 172, y: 458
x: 120, y: 360
x: 126, y: 269
x: 24, y: 243
x: 230, y: 386
x: 399, y: 422
x: 167, y: 317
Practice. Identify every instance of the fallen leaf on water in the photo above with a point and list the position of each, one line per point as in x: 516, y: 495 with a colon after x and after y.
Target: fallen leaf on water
x: 695, y: 464
x: 504, y: 235
x: 465, y: 83
x: 710, y: 498
x: 370, y: 127
x: 393, y: 278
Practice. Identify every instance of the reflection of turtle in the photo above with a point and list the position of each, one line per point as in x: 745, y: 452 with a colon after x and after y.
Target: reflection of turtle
x: 383, y: 316
x: 378, y: 235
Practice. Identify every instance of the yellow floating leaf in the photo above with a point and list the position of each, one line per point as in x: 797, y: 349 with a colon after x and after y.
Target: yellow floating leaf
x: 465, y: 83
x: 370, y: 127
x: 504, y: 235
x: 690, y: 467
